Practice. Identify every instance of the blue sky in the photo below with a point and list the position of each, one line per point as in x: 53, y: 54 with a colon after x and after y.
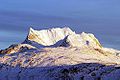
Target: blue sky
x: 80, y: 11
x: 100, y: 17
x: 63, y: 7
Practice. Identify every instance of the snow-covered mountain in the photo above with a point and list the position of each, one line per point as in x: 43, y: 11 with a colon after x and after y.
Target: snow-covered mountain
x: 59, y: 54
x: 61, y: 37
x: 54, y: 37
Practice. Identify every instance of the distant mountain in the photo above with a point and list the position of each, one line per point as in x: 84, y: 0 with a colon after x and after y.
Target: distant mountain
x: 59, y: 54
x: 60, y: 36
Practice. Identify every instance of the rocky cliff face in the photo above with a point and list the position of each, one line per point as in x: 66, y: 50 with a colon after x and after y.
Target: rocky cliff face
x: 59, y: 54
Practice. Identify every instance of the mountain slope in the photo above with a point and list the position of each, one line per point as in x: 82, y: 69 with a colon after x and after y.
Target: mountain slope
x: 59, y: 54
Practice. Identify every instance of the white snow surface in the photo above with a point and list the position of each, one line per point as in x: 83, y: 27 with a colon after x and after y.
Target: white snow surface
x: 61, y: 36
x: 59, y: 54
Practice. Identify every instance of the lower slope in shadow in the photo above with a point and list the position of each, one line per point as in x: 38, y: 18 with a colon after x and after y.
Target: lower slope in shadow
x: 83, y: 71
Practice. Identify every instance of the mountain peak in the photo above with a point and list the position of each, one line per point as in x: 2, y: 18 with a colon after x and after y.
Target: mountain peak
x: 61, y: 36
x: 48, y: 37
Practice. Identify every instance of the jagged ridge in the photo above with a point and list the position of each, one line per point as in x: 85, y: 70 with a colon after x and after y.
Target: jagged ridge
x: 60, y: 36
x: 54, y: 37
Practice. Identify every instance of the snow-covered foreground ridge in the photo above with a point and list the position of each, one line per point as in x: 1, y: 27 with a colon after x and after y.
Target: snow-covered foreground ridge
x: 59, y: 54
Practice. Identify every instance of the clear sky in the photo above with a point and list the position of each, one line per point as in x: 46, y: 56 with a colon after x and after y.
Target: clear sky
x: 85, y: 12
x: 97, y: 16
